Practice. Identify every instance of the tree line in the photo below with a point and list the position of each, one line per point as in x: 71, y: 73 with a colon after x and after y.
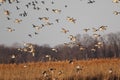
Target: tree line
x: 85, y: 47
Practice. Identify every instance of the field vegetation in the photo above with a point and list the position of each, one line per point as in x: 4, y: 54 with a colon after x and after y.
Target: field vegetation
x: 95, y: 69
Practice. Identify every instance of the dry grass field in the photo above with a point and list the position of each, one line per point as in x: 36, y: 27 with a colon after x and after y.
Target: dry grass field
x: 95, y: 69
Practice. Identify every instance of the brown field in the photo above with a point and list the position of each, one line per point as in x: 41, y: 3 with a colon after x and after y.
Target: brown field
x: 96, y: 69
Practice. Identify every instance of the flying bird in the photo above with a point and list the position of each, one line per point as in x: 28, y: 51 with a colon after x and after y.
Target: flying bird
x: 52, y: 2
x: 86, y: 30
x: 94, y: 29
x: 18, y: 20
x: 6, y: 12
x: 55, y: 50
x: 102, y: 28
x: 2, y: 1
x: 72, y: 38
x: 71, y: 19
x: 8, y: 18
x: 82, y: 48
x: 66, y: 6
x: 116, y: 12
x: 44, y: 18
x: 36, y: 33
x: 25, y: 13
x: 90, y: 1
x: 43, y: 2
x: 64, y: 30
x: 13, y: 56
x: 57, y: 20
x: 47, y: 9
x: 115, y: 1
x: 110, y: 71
x: 27, y: 5
x: 17, y: 8
x: 36, y: 2
x: 93, y: 50
x: 10, y: 29
x: 17, y: 1
x: 30, y: 35
x: 96, y: 35
x: 56, y: 10
x: 37, y: 27
x: 10, y: 1
x: 48, y: 24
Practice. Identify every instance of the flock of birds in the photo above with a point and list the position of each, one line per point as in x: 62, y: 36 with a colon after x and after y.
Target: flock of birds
x: 34, y: 4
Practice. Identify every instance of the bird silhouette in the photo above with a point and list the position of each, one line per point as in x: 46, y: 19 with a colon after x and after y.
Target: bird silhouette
x: 2, y: 1
x: 65, y: 31
x: 6, y: 12
x: 17, y: 8
x: 18, y: 20
x: 94, y: 29
x: 36, y: 33
x: 37, y: 27
x: 115, y: 1
x: 72, y: 38
x: 56, y: 10
x: 10, y: 29
x: 47, y: 9
x: 43, y: 2
x: 66, y: 6
x: 90, y: 1
x: 8, y: 18
x: 57, y: 20
x: 52, y: 2
x: 54, y: 49
x: 96, y: 35
x: 44, y: 18
x: 71, y: 19
x: 116, y: 12
x: 86, y: 30
x: 30, y: 35
x: 102, y: 28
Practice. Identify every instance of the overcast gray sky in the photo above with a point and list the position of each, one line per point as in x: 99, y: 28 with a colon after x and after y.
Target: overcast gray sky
x: 87, y: 16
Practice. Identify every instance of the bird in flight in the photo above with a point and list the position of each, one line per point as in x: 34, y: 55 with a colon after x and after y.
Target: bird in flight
x: 115, y: 1
x: 10, y: 1
x: 36, y: 33
x: 71, y: 19
x: 10, y: 29
x: 18, y: 20
x: 42, y: 2
x: 47, y: 9
x: 6, y: 12
x: 96, y: 35
x: 116, y: 12
x: 90, y: 1
x: 54, y: 49
x: 8, y: 18
x: 52, y: 2
x: 37, y: 27
x: 17, y: 8
x: 64, y: 30
x: 57, y: 20
x: 44, y: 18
x: 2, y: 1
x: 86, y: 30
x: 66, y: 6
x: 102, y: 28
x: 30, y: 35
x: 94, y: 29
x: 72, y: 38
x: 56, y: 10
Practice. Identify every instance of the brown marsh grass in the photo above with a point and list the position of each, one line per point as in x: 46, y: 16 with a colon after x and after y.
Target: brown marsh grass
x: 95, y: 69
